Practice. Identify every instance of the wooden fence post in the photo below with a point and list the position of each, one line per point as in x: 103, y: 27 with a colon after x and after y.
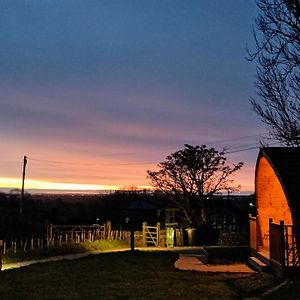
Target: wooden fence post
x: 270, y: 239
x: 50, y: 231
x: 108, y: 227
x: 46, y: 236
x: 1, y: 253
x: 157, y: 233
x: 282, y: 243
x: 131, y: 237
x: 144, y: 234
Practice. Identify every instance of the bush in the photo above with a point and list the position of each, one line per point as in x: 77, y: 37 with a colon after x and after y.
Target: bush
x: 206, y: 235
x: 233, y: 239
x: 227, y: 254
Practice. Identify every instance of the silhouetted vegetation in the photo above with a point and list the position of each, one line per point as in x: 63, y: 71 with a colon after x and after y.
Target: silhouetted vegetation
x: 118, y: 207
x: 277, y: 53
x: 69, y: 209
x: 189, y: 178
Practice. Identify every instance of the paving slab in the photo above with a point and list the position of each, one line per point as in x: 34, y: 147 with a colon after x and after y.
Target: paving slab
x: 193, y: 263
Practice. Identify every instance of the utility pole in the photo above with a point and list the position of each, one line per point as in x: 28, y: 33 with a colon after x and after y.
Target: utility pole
x: 22, y: 191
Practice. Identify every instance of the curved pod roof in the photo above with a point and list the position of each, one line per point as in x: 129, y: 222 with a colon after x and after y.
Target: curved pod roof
x: 284, y: 164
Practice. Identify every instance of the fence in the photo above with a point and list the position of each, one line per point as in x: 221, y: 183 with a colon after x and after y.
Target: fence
x: 277, y: 242
x: 291, y: 250
x: 283, y: 245
x: 283, y: 248
x: 151, y: 234
x: 74, y: 234
x: 19, y: 244
x: 59, y: 235
x: 254, y: 241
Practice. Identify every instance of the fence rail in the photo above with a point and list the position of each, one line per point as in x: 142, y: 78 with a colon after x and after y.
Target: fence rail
x: 283, y: 244
x: 60, y: 235
x: 291, y: 251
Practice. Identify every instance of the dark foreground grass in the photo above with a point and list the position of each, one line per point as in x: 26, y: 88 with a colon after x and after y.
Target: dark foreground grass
x: 126, y: 275
x: 290, y: 290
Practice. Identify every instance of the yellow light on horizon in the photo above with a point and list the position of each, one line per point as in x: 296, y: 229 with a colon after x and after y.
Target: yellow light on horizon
x: 6, y: 182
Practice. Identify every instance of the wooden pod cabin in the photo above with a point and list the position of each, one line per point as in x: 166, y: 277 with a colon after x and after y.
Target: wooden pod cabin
x: 277, y: 190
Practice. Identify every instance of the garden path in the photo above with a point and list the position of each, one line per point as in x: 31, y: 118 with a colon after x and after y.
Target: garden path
x: 190, y: 262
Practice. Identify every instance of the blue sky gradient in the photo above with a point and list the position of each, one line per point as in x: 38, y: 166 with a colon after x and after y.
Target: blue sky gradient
x: 120, y: 84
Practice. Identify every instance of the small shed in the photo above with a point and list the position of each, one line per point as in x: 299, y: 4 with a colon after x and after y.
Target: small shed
x: 277, y: 191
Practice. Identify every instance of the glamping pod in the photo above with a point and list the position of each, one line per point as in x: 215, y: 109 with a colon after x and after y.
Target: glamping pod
x: 277, y: 191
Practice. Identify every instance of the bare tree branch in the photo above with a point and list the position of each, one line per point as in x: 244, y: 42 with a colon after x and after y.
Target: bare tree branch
x: 277, y: 52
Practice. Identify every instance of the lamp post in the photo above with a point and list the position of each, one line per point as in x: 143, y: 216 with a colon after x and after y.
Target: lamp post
x: 131, y: 233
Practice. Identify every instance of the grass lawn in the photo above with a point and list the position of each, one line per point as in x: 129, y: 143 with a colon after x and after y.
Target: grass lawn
x: 125, y: 275
x: 38, y: 253
x: 291, y: 290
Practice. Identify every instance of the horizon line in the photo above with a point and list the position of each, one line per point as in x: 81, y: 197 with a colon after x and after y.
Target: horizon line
x: 87, y: 191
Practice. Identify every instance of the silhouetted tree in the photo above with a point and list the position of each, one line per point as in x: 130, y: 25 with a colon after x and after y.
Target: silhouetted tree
x: 277, y: 52
x: 189, y: 177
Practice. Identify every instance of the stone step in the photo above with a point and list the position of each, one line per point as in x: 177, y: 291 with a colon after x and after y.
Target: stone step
x: 262, y: 256
x: 259, y: 265
x: 204, y: 258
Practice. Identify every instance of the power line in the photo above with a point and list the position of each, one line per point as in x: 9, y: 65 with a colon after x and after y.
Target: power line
x: 231, y: 150
x: 249, y: 148
x: 241, y: 150
x: 89, y: 164
x: 235, y: 138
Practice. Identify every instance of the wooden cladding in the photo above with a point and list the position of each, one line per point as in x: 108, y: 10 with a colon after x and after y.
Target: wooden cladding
x: 270, y: 199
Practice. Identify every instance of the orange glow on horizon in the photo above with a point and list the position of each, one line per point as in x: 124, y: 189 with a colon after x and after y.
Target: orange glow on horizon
x: 6, y: 182
x: 15, y: 183
x: 93, y: 174
x: 59, y: 184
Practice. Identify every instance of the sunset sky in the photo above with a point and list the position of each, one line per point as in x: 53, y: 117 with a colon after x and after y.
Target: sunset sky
x: 95, y: 92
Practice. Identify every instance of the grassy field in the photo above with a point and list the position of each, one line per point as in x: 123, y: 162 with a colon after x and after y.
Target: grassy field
x: 126, y: 275
x: 37, y: 253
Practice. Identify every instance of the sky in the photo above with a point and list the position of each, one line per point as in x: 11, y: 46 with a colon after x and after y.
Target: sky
x: 96, y: 92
